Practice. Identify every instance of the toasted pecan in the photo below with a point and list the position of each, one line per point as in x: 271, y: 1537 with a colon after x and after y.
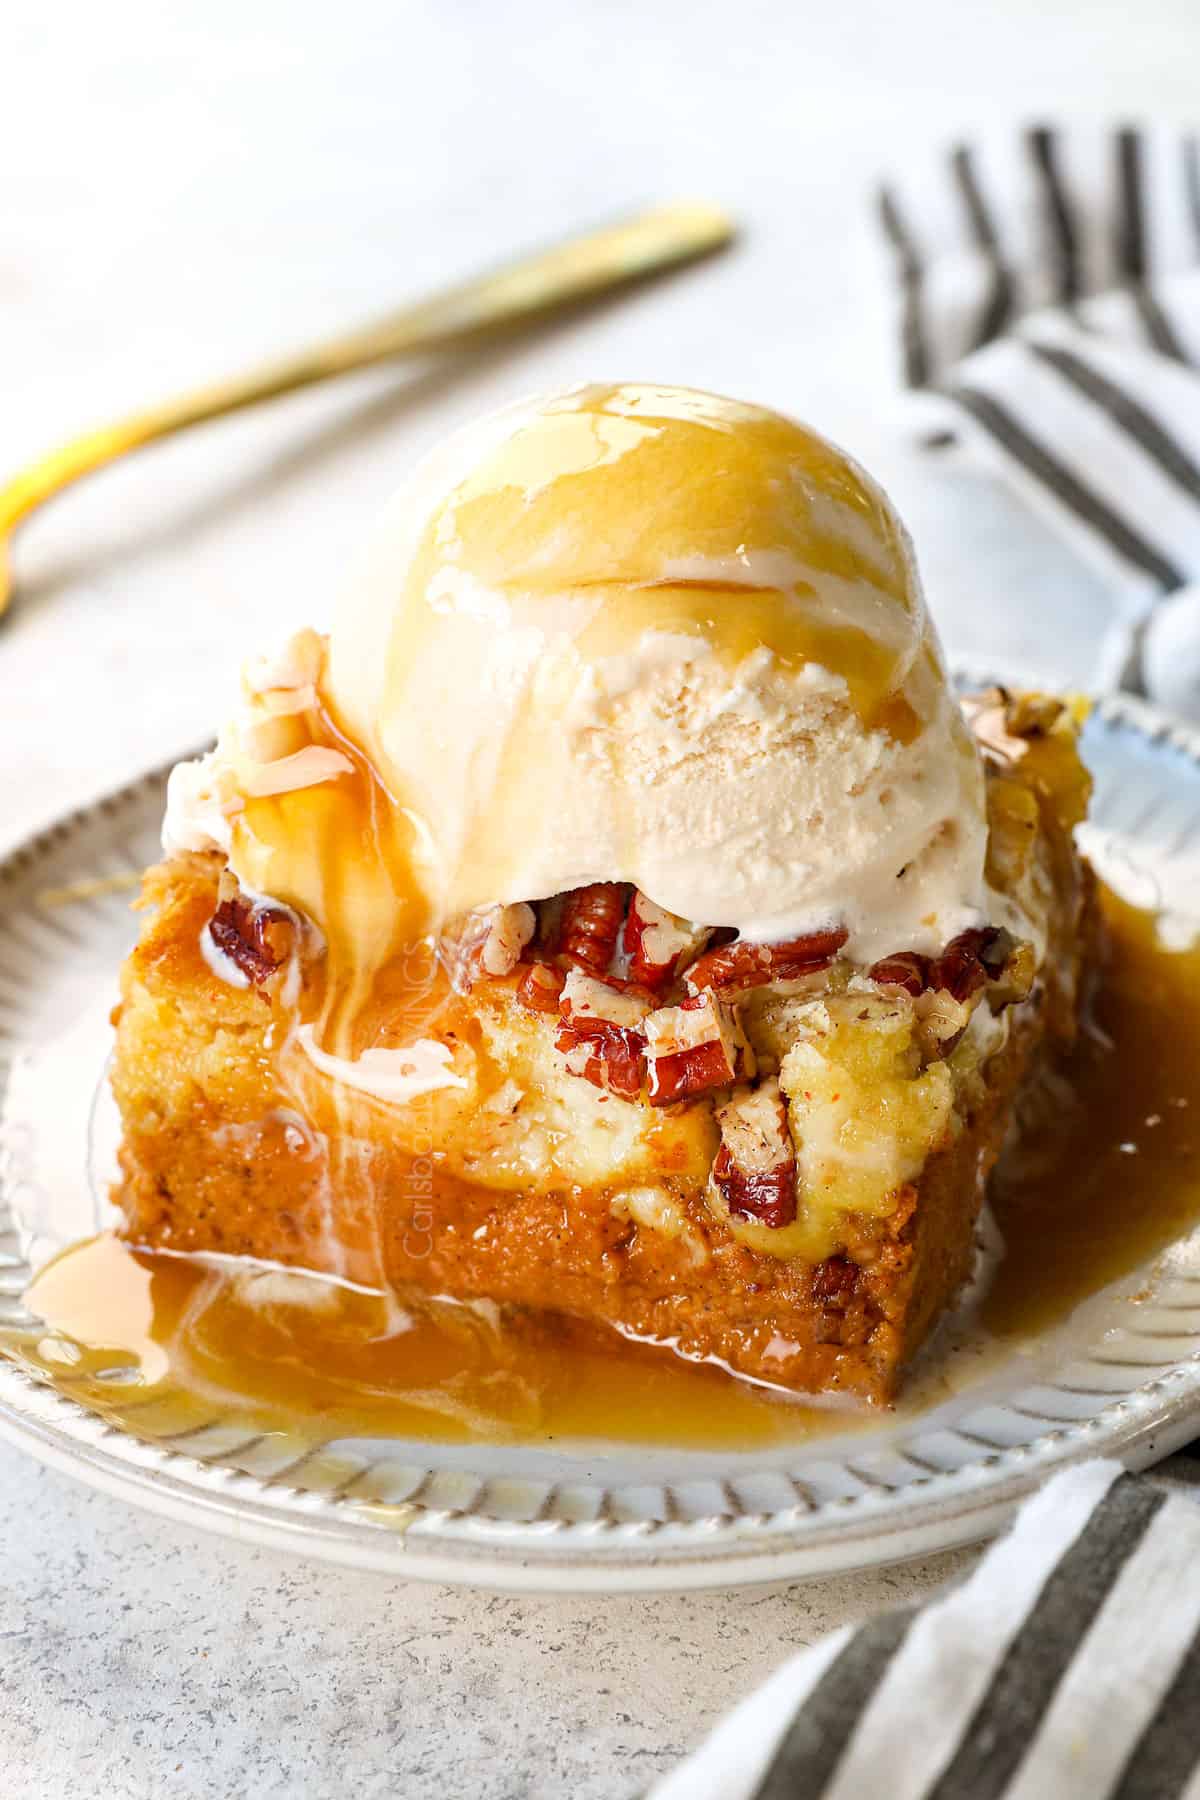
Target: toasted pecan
x: 601, y: 1033
x: 969, y: 962
x: 540, y: 986
x: 590, y: 925
x: 767, y: 1196
x: 657, y: 943
x: 733, y: 967
x: 257, y: 938
x: 609, y: 1056
x: 835, y: 1279
x: 755, y: 1168
x: 694, y: 1048
x: 907, y: 969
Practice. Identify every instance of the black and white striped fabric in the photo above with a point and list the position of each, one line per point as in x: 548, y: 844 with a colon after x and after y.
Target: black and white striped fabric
x: 1067, y: 1667
x: 1047, y: 291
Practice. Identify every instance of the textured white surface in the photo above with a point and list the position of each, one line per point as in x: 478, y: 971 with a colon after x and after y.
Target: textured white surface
x: 191, y: 186
x: 139, y: 1660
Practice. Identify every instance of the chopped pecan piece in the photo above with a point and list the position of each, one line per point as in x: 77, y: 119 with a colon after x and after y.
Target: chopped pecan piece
x: 987, y: 716
x: 987, y: 956
x: 508, y: 930
x: 487, y: 942
x: 907, y: 969
x: 600, y: 1033
x: 612, y: 1002
x: 540, y: 986
x: 944, y: 987
x: 767, y: 1196
x: 590, y: 925
x: 971, y: 960
x: 695, y: 1047
x: 657, y: 942
x: 730, y: 968
x: 755, y: 1168
x: 941, y: 1021
x: 1014, y: 981
x: 1003, y: 724
x: 1034, y: 715
x: 257, y: 939
x: 609, y: 1056
x: 835, y: 1279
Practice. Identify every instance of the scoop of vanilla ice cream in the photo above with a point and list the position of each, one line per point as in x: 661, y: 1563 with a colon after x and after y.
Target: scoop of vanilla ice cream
x: 650, y: 635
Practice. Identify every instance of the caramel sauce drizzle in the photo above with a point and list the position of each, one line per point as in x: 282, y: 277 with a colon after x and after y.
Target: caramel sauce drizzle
x: 344, y: 854
x: 534, y: 562
x: 721, y: 521
x: 1106, y: 1175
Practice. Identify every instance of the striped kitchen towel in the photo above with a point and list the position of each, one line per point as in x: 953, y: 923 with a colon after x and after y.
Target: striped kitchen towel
x: 1047, y: 304
x: 1066, y: 1667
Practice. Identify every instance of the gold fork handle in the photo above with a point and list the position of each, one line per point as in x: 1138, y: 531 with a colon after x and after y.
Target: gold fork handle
x: 569, y: 272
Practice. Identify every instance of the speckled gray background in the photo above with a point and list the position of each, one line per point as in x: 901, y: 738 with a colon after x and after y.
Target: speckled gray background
x: 138, y: 1658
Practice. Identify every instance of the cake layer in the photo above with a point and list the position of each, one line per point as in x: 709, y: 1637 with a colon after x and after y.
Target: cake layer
x: 528, y: 1186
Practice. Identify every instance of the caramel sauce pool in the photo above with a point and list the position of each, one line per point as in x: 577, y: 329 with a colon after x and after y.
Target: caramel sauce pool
x: 1107, y: 1173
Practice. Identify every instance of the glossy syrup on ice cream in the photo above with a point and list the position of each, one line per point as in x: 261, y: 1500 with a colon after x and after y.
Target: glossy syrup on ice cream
x: 628, y: 633
x: 652, y: 635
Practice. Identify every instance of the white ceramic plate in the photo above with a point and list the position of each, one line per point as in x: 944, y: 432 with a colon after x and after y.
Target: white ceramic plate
x: 1121, y: 1377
